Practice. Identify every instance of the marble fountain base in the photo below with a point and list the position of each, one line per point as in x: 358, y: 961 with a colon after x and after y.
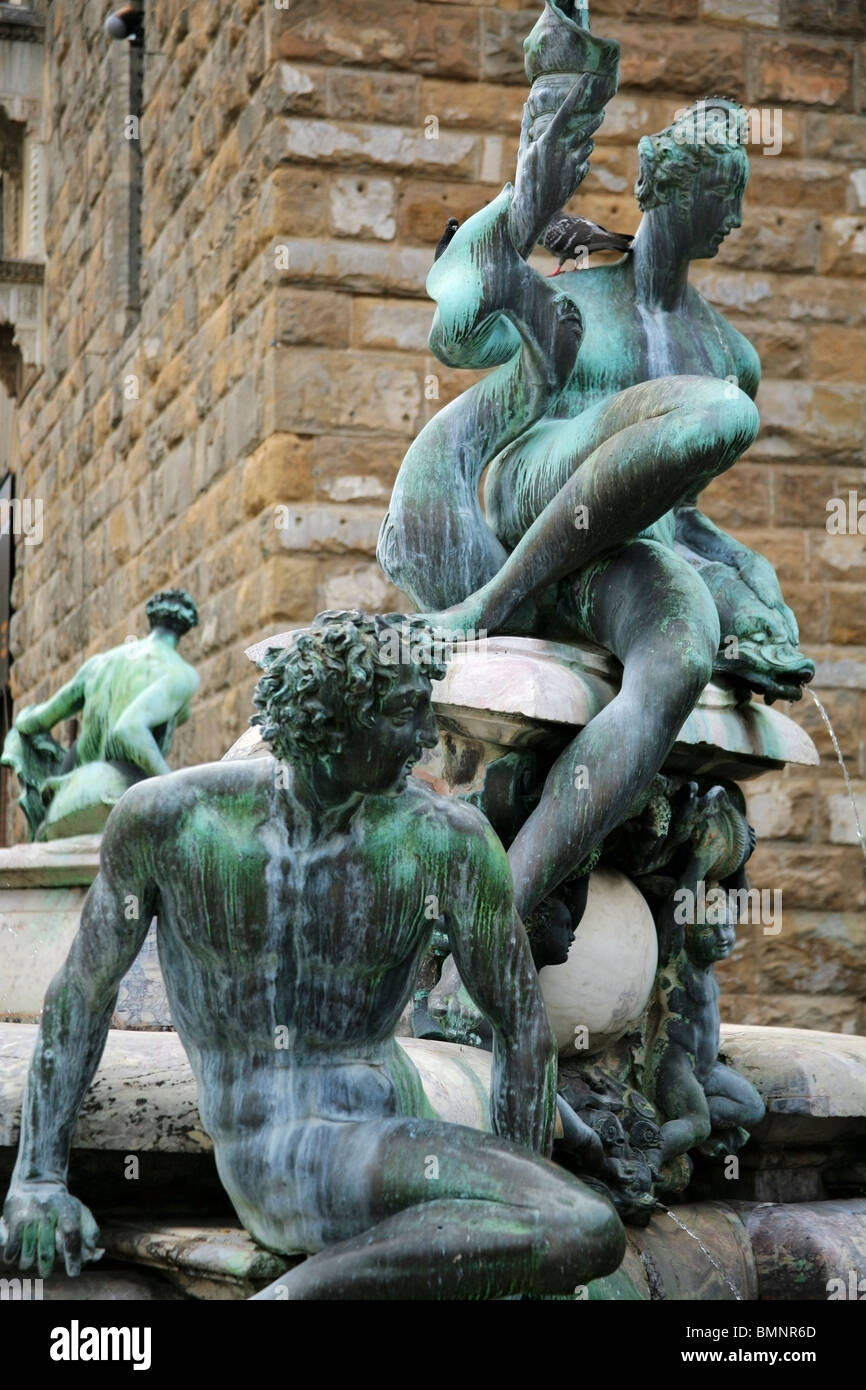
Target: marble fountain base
x: 170, y: 1233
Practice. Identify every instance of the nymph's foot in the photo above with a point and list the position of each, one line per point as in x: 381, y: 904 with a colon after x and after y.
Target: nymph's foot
x: 482, y: 614
x: 463, y: 622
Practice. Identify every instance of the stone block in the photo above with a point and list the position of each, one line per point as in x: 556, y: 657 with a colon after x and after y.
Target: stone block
x: 390, y: 97
x: 418, y: 38
x: 391, y: 323
x: 280, y: 470
x: 835, y: 137
x: 815, y: 953
x: 843, y: 246
x: 847, y: 614
x: 317, y: 528
x: 837, y: 353
x: 372, y: 267
x: 801, y: 71
x: 363, y: 207
x: 295, y: 89
x: 800, y: 494
x: 502, y: 36
x: 829, y: 417
x: 360, y: 586
x: 775, y: 239
x: 762, y: 14
x: 782, y: 347
x: 665, y: 57
x: 740, y: 497
x: 782, y: 808
x: 424, y: 206
x: 819, y: 877
x: 381, y: 146
x: 300, y: 203
x: 806, y: 1250
x: 800, y: 183
x: 322, y: 391
x: 316, y: 318
x: 283, y: 589
x: 842, y: 17
x: 475, y: 106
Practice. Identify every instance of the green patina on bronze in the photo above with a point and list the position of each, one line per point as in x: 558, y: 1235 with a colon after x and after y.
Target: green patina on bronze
x: 294, y: 898
x: 129, y: 701
x: 296, y: 895
x: 618, y: 396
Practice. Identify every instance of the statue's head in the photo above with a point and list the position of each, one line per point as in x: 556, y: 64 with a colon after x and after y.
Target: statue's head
x: 550, y: 929
x: 711, y: 941
x: 172, y: 609
x: 696, y: 170
x: 353, y: 694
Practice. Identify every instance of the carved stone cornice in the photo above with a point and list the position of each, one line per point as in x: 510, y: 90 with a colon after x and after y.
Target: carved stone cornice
x: 20, y: 25
x: 21, y: 272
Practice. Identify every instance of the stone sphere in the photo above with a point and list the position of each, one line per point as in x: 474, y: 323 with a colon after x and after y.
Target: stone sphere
x: 605, y: 984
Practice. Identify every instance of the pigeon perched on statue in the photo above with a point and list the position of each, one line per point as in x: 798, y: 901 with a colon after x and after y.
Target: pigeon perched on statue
x: 567, y: 236
x: 445, y: 240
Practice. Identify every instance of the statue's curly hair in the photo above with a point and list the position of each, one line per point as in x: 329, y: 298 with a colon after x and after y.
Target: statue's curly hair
x: 172, y: 608
x: 710, y: 131
x: 334, y: 677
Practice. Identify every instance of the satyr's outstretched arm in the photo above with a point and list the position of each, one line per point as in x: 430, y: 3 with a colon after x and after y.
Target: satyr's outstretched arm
x: 68, y: 700
x: 40, y: 1218
x: 491, y: 951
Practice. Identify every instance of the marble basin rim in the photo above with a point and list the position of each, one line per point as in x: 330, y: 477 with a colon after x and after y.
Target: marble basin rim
x: 524, y: 692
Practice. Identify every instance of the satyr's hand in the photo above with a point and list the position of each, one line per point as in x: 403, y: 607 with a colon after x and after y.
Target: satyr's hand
x: 41, y: 1220
x: 22, y: 720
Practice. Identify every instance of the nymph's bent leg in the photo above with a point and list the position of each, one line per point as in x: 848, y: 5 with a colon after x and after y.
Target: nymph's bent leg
x: 448, y: 1212
x: 649, y: 607
x: 585, y: 486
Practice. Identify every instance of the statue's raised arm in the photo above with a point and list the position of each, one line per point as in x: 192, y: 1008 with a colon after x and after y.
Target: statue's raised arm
x: 573, y: 76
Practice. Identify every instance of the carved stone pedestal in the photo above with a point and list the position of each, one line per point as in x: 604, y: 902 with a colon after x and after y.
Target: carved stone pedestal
x: 42, y: 889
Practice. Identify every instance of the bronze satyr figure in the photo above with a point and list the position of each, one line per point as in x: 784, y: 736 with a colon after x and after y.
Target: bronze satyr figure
x: 293, y: 895
x: 129, y: 701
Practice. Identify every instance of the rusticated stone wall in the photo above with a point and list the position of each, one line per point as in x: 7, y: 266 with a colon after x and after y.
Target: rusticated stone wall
x: 291, y: 198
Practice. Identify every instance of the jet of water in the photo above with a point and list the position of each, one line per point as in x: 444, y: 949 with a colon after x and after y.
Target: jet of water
x: 710, y: 1256
x: 832, y: 732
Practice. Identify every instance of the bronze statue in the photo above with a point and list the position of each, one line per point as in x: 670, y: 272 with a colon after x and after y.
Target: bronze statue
x: 130, y: 701
x: 295, y: 895
x: 703, y: 1102
x: 621, y: 394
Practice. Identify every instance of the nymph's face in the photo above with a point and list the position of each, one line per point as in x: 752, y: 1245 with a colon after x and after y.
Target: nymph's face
x: 716, y: 212
x: 377, y: 760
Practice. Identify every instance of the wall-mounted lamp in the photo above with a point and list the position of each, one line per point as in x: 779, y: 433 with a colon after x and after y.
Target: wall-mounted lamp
x: 126, y: 23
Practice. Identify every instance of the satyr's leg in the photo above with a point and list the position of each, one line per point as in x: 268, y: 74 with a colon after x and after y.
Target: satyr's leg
x: 649, y: 607
x: 589, y: 485
x: 732, y: 1099
x: 680, y: 1094
x: 453, y: 1213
